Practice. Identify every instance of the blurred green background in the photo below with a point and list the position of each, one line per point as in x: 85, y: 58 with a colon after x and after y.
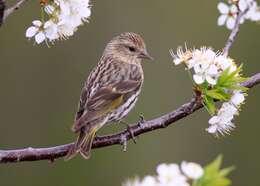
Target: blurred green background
x: 40, y: 89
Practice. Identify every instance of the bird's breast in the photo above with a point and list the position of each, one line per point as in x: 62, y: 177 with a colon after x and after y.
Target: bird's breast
x: 122, y: 111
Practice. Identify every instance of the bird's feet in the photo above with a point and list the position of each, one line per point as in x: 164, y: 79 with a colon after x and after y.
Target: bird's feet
x: 131, y: 132
x: 129, y: 129
x: 124, y: 138
x: 141, y: 121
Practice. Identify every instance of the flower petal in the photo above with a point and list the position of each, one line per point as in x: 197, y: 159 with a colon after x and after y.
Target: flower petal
x: 31, y: 31
x: 177, y: 61
x: 192, y: 170
x: 213, y: 69
x: 40, y: 37
x: 212, y: 129
x: 230, y: 23
x: 222, y: 19
x: 237, y: 98
x: 199, y: 79
x: 223, y: 8
x: 148, y: 181
x: 51, y: 30
x: 211, y: 80
x: 37, y: 23
x: 213, y: 120
x: 209, y: 54
x: 242, y: 4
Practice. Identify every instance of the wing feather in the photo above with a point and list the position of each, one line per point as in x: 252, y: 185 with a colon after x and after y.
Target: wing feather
x: 105, y: 100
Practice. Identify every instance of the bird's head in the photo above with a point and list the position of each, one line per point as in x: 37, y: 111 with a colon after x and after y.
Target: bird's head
x: 128, y: 47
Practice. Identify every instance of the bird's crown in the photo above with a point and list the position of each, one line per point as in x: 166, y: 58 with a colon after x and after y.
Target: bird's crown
x: 128, y: 46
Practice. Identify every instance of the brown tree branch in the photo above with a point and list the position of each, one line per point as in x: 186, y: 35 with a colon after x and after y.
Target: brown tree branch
x: 5, y: 12
x: 121, y: 138
x: 52, y: 153
x: 2, y: 11
x: 234, y: 32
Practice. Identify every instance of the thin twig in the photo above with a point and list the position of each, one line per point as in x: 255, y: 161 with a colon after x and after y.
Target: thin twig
x: 11, y: 9
x: 52, y: 153
x: 2, y: 10
x: 234, y: 32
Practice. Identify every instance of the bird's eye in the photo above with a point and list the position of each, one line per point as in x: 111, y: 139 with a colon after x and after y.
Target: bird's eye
x: 132, y: 49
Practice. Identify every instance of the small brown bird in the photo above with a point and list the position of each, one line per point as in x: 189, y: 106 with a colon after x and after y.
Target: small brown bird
x: 110, y: 91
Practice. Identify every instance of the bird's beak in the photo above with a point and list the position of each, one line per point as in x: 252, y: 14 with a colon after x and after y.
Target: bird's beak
x: 145, y: 55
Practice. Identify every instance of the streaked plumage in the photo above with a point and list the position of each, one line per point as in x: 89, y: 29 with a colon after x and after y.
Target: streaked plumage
x: 111, y: 89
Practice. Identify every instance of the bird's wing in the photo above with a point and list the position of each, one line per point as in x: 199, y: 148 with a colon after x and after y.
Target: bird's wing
x: 82, y: 102
x: 105, y: 100
x: 85, y: 93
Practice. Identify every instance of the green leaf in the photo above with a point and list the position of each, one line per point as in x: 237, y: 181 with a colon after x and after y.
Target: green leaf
x: 221, y: 182
x: 223, y: 77
x: 231, y: 80
x: 234, y: 73
x: 214, y: 166
x: 226, y: 76
x: 239, y: 79
x: 209, y: 104
x: 214, y: 175
x: 218, y: 94
x: 224, y: 172
x: 235, y: 87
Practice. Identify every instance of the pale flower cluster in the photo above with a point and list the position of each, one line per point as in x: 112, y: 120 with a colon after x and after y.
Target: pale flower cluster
x: 170, y: 175
x: 230, y: 11
x: 222, y: 122
x: 64, y: 17
x: 207, y: 67
x: 206, y: 64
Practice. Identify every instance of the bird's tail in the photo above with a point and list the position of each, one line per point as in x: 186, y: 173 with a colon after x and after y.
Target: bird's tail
x: 85, y: 148
x: 83, y: 144
x: 74, y: 149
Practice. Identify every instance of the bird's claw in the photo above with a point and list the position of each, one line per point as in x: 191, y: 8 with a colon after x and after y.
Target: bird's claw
x: 141, y: 121
x: 131, y: 133
x: 128, y: 128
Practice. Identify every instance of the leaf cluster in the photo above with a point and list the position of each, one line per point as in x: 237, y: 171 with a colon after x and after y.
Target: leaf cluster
x: 222, y: 91
x: 214, y: 175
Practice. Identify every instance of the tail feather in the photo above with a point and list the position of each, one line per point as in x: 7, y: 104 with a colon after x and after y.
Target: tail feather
x: 85, y: 147
x: 74, y: 149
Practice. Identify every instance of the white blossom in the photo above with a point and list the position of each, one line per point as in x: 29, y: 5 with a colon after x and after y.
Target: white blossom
x: 192, y: 170
x: 51, y: 30
x: 149, y: 181
x: 224, y: 62
x: 132, y: 182
x: 180, y: 56
x: 222, y: 122
x: 41, y: 32
x: 244, y: 4
x: 204, y: 68
x: 206, y: 64
x: 205, y: 72
x: 230, y: 11
x: 36, y: 31
x: 228, y: 15
x: 253, y: 13
x: 237, y: 98
x: 65, y: 18
x: 170, y: 175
